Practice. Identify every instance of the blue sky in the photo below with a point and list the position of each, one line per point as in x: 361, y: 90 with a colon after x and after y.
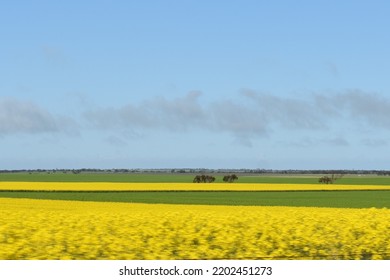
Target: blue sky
x: 214, y: 84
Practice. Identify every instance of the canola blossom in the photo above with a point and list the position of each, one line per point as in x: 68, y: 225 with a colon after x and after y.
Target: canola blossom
x: 45, y: 229
x: 109, y: 186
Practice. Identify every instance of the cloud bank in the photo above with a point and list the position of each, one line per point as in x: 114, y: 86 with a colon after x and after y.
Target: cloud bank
x: 28, y: 118
x: 251, y: 115
x: 176, y: 114
x: 182, y: 114
x: 356, y: 105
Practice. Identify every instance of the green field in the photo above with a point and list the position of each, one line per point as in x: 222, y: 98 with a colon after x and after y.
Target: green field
x: 340, y: 199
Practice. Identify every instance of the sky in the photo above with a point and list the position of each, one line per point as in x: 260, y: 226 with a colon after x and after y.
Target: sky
x: 195, y: 84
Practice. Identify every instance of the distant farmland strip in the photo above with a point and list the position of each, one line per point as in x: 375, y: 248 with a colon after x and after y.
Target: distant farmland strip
x: 334, y: 199
x: 184, y: 178
x: 100, y: 186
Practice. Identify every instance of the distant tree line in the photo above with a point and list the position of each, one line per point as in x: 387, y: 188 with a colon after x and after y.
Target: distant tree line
x: 230, y: 178
x: 204, y: 179
x: 330, y: 179
x: 209, y: 179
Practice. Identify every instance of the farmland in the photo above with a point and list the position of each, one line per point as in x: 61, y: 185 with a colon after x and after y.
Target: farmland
x: 347, y: 192
x: 166, y: 216
x: 182, y: 178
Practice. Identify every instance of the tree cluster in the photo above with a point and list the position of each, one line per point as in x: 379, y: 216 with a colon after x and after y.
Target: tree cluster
x: 230, y: 178
x: 331, y: 179
x: 204, y: 179
x: 209, y: 179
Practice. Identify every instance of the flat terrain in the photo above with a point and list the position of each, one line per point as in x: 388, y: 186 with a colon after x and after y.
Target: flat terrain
x: 183, y: 178
x: 319, y: 198
x: 122, y: 216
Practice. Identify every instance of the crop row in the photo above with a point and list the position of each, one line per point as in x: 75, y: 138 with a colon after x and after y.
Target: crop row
x: 99, y: 186
x: 44, y: 229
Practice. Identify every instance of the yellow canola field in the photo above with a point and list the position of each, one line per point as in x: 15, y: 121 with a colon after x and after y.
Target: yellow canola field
x: 45, y: 229
x: 99, y: 186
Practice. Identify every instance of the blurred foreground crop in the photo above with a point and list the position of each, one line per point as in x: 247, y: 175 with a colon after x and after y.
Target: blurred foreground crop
x: 45, y: 229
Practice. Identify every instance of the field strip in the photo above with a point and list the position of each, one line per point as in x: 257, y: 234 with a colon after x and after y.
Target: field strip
x: 104, y: 186
x: 14, y: 204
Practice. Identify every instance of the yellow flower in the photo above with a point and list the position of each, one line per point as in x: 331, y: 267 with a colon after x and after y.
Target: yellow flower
x: 45, y: 229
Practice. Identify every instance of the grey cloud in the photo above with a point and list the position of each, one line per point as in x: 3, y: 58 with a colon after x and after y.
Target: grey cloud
x: 325, y: 105
x: 375, y: 142
x: 177, y: 114
x: 316, y: 110
x: 289, y: 112
x: 26, y: 117
x: 116, y: 141
x: 336, y: 141
x: 302, y: 143
x: 181, y: 114
x: 371, y: 108
x: 252, y: 114
x: 242, y: 121
x: 307, y: 142
x: 356, y: 105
